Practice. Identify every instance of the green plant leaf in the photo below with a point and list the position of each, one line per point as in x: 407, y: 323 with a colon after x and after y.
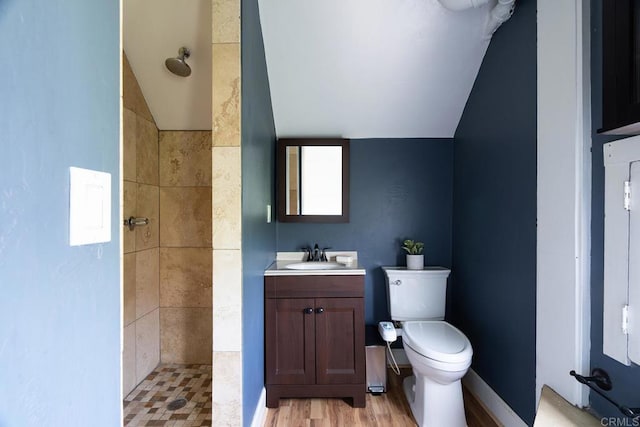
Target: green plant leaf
x: 412, y: 247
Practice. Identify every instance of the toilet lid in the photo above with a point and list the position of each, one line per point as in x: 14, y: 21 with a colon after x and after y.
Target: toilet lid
x: 437, y: 340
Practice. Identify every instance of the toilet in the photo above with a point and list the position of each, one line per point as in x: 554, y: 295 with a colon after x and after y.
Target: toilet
x: 439, y: 353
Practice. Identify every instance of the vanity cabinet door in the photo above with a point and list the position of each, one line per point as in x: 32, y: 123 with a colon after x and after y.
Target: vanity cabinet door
x: 289, y: 338
x: 339, y: 340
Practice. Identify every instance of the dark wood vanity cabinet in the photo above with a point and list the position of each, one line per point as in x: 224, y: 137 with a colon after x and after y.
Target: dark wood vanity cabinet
x: 314, y: 337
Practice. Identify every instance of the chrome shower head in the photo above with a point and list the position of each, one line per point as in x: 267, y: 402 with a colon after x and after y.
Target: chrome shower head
x: 179, y: 66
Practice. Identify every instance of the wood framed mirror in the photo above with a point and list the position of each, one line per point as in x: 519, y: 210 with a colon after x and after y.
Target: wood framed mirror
x: 312, y: 180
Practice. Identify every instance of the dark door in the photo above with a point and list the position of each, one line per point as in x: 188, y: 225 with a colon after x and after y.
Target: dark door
x: 289, y: 341
x: 620, y: 65
x: 340, y: 341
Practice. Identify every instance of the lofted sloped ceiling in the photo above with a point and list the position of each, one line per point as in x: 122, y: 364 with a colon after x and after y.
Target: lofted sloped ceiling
x: 154, y: 30
x: 371, y: 68
x: 348, y: 68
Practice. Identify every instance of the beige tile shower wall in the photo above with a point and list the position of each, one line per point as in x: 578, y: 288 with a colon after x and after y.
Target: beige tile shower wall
x: 141, y: 314
x: 227, y: 214
x: 185, y: 247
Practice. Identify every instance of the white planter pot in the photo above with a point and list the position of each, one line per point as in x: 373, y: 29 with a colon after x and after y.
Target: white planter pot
x: 415, y: 262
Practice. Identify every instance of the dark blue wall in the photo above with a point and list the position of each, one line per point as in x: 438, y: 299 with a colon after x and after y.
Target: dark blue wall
x: 258, y: 172
x: 625, y: 379
x: 59, y: 305
x: 400, y: 188
x: 493, y: 291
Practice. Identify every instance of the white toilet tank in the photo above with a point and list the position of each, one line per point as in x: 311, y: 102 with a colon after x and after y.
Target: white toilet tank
x: 416, y: 294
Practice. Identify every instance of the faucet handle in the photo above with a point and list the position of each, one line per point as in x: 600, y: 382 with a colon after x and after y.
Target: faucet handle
x: 309, y: 252
x: 323, y: 256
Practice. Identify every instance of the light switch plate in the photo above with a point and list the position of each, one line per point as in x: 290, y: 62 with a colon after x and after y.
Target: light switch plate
x: 89, y: 206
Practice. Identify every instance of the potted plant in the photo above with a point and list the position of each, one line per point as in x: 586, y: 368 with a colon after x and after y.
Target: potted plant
x: 415, y: 257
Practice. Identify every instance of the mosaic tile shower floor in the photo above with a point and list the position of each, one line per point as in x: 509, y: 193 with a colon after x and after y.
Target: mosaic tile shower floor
x: 147, y: 404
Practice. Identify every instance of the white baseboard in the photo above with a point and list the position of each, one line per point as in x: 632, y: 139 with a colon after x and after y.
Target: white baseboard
x: 491, y: 400
x: 260, y: 414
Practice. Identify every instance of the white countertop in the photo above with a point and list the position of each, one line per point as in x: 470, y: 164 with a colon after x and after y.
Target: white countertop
x: 283, y: 259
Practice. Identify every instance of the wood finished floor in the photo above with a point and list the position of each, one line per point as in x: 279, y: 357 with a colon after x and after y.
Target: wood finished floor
x: 388, y: 409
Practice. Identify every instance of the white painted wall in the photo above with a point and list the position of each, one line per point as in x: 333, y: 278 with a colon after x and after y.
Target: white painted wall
x: 564, y: 189
x: 370, y: 68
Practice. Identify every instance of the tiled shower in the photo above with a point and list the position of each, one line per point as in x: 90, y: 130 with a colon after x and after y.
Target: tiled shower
x: 167, y: 263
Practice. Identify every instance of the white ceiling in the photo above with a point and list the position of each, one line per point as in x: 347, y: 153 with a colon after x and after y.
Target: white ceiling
x: 154, y: 30
x: 370, y: 68
x: 348, y: 68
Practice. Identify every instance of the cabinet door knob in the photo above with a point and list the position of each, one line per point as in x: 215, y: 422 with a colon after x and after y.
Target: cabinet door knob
x: 319, y: 310
x: 308, y: 310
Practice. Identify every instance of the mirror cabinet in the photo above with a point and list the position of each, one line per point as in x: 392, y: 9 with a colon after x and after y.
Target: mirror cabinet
x: 313, y: 180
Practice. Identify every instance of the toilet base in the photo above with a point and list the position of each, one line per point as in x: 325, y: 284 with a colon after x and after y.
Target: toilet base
x: 433, y: 404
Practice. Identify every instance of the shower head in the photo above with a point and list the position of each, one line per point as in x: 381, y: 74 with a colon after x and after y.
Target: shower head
x: 178, y: 66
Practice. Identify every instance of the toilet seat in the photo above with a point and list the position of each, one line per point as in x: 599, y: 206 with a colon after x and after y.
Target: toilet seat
x: 437, y: 340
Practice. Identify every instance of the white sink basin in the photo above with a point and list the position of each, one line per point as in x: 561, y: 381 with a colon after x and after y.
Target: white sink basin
x: 314, y: 265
